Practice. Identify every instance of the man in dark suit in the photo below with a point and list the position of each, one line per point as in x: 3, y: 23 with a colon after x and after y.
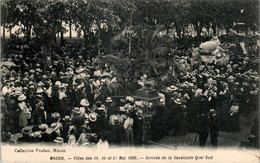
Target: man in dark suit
x: 208, y: 124
x: 89, y: 90
x: 77, y: 121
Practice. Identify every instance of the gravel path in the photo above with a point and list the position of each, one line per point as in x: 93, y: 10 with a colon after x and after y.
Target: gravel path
x: 225, y: 139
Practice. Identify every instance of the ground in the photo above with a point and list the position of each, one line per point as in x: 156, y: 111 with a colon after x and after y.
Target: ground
x: 225, y: 139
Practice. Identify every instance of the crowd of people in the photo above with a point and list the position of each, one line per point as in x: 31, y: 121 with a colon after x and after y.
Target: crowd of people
x: 64, y: 104
x: 209, y: 97
x: 60, y: 100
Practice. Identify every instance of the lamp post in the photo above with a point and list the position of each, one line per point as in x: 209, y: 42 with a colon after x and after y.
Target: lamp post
x: 150, y: 99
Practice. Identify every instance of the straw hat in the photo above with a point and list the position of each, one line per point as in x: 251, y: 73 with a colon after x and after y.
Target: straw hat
x: 177, y: 101
x: 59, y: 140
x: 168, y: 90
x: 58, y: 83
x: 92, y: 117
x: 22, y: 97
x: 76, y: 110
x: 84, y: 102
x: 36, y: 134
x: 139, y: 103
x: 53, y: 125
x: 43, y: 126
x: 121, y: 109
x: 129, y: 98
x: 27, y: 130
x: 39, y: 90
x: 49, y: 131
x: 109, y: 99
x: 122, y: 100
x: 173, y: 87
x: 66, y: 118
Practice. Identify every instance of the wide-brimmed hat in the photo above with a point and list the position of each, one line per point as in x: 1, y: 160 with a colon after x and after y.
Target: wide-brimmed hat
x: 66, y: 118
x: 38, y: 70
x: 97, y: 73
x: 76, y: 110
x: 58, y: 140
x: 53, y: 125
x: 231, y: 78
x: 105, y: 75
x: 49, y: 131
x: 128, y: 106
x: 129, y: 98
x: 32, y: 87
x: 177, y: 101
x: 109, y: 99
x: 40, y: 84
x: 234, y: 109
x: 22, y: 97
x: 121, y: 109
x: 84, y: 102
x: 12, y: 79
x: 92, y: 117
x: 43, y: 126
x: 18, y: 92
x: 101, y: 108
x: 168, y: 89
x: 122, y: 100
x: 173, y: 87
x: 218, y: 55
x: 27, y: 130
x: 36, y: 134
x: 39, y: 90
x: 57, y: 83
x: 139, y: 103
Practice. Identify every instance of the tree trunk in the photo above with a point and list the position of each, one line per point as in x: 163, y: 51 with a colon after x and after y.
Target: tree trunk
x: 130, y: 37
x: 10, y: 31
x: 85, y: 39
x: 4, y: 32
x: 70, y: 30
x: 198, y: 29
x: 109, y: 39
x: 61, y: 35
x: 217, y: 30
x: 28, y: 33
x: 61, y: 39
x: 30, y: 30
x: 46, y: 52
x: 178, y: 31
x: 214, y: 28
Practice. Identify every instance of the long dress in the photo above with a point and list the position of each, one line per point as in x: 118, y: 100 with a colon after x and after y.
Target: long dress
x: 22, y: 119
x: 22, y: 116
x: 129, y: 138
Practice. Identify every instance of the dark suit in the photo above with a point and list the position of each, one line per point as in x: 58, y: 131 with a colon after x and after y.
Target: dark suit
x: 77, y: 121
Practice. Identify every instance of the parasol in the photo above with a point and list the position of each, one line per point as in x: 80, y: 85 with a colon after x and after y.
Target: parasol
x: 8, y: 64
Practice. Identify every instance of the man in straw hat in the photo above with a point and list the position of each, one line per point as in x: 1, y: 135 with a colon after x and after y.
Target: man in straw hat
x: 77, y: 120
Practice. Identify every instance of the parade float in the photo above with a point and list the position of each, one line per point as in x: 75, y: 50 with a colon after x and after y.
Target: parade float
x: 212, y: 52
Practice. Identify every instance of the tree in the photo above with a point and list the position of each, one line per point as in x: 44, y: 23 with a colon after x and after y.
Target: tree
x: 9, y: 14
